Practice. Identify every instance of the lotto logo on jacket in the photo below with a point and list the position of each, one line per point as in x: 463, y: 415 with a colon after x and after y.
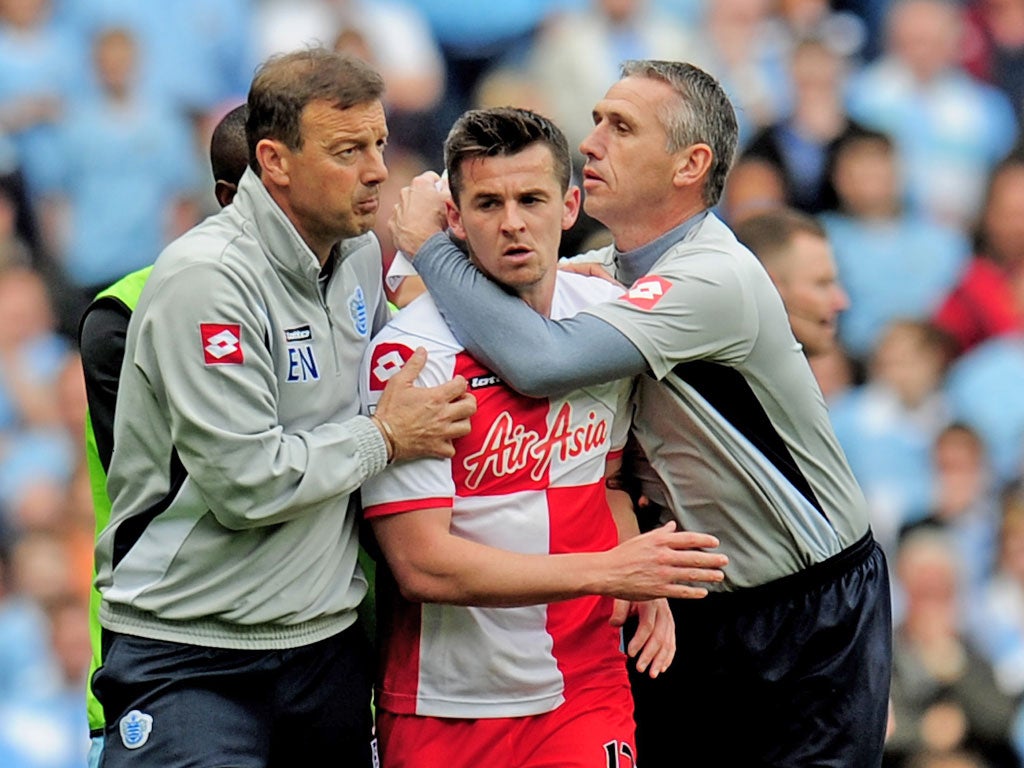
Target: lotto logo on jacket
x: 222, y: 343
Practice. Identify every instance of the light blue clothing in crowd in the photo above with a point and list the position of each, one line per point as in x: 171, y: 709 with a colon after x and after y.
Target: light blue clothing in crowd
x: 25, y: 662
x: 891, y: 269
x: 39, y: 360
x: 986, y: 390
x: 996, y: 624
x: 889, y: 450
x: 193, y: 54
x: 39, y: 63
x: 36, y: 456
x: 472, y: 28
x: 949, y: 133
x: 44, y: 732
x: 120, y: 188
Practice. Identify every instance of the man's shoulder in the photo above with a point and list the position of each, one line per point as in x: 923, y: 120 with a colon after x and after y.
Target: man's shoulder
x: 419, y: 323
x: 574, y: 292
x: 218, y: 244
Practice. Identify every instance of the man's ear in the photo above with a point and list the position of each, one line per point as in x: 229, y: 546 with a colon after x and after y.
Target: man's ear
x: 692, y: 166
x: 274, y: 159
x: 455, y: 219
x: 571, y: 207
x: 224, y: 191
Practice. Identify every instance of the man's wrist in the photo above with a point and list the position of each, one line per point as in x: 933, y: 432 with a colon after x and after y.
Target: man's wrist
x: 388, y: 434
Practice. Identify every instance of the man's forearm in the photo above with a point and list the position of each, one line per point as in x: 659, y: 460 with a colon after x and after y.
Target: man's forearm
x: 533, y: 354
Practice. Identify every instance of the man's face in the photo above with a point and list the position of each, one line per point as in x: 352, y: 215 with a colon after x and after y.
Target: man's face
x: 628, y: 168
x: 809, y: 288
x: 333, y: 181
x: 512, y: 212
x: 1003, y: 219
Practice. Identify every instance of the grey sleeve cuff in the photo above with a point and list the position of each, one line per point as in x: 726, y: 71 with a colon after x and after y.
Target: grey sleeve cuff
x: 373, y: 450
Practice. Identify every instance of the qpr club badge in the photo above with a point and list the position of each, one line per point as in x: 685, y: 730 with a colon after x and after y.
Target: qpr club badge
x: 135, y: 728
x: 357, y: 311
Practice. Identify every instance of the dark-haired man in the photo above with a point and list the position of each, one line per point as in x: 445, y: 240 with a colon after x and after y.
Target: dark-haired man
x: 789, y: 657
x: 795, y: 251
x: 228, y: 569
x: 502, y: 649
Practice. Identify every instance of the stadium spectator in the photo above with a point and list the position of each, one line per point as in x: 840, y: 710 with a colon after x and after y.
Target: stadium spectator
x: 754, y: 186
x: 476, y: 38
x: 944, y: 692
x: 950, y: 129
x: 993, y: 48
x: 193, y: 55
x: 989, y: 298
x: 726, y: 395
x: 748, y: 61
x: 984, y: 391
x: 794, y: 250
x: 997, y: 614
x: 250, y: 436
x: 964, y: 502
x: 801, y: 144
x: 37, y: 75
x: 577, y: 55
x: 43, y: 727
x: 125, y: 197
x: 834, y: 372
x: 393, y: 36
x: 888, y: 425
x: 893, y: 262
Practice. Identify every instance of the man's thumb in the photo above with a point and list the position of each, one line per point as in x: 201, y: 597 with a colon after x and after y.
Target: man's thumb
x: 413, y: 366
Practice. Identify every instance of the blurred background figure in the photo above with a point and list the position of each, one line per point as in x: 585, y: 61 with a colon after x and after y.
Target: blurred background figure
x: 984, y: 390
x: 748, y: 60
x: 888, y: 425
x: 964, y: 502
x: 37, y: 75
x: 989, y: 298
x: 577, y: 55
x: 392, y: 35
x: 945, y: 697
x: 794, y: 250
x: 754, y: 186
x: 892, y: 262
x: 117, y: 202
x: 950, y: 128
x: 997, y: 618
x: 993, y: 48
x: 801, y: 145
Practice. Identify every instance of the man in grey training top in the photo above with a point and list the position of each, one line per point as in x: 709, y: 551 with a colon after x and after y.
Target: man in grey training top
x: 788, y: 663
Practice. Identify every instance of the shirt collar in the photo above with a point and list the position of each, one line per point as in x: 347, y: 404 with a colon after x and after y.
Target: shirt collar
x: 634, y: 264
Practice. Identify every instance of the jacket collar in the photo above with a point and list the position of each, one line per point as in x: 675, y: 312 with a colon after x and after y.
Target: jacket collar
x: 282, y: 242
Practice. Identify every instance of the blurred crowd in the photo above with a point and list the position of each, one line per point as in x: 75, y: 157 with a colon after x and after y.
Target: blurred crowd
x: 896, y: 122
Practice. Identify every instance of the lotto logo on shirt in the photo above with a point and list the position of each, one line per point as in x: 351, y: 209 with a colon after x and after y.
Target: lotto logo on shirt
x: 222, y: 343
x: 386, y: 361
x: 647, y: 291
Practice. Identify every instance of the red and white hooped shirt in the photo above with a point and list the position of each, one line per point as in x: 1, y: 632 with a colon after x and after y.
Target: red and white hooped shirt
x: 528, y: 478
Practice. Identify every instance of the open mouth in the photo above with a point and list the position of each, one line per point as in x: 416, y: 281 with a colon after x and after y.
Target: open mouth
x: 518, y: 251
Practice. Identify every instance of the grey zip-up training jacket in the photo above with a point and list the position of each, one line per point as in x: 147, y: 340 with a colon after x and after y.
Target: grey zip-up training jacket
x: 238, y: 443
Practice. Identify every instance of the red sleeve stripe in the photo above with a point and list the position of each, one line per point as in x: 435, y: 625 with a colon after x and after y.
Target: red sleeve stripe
x: 406, y: 505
